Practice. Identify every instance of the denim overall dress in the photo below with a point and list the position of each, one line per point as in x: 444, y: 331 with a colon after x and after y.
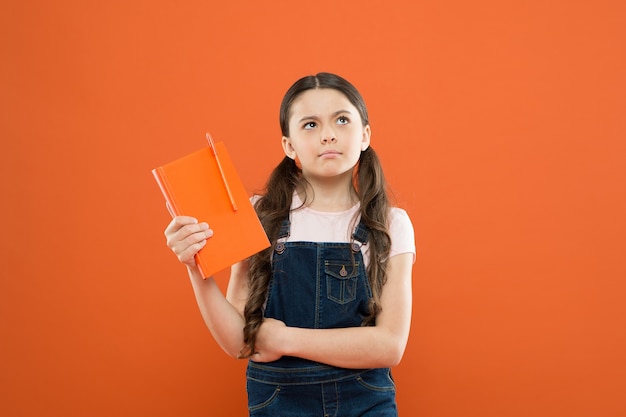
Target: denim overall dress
x: 318, y: 286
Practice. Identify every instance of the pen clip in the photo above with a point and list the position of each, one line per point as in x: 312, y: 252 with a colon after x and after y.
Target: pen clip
x: 219, y: 167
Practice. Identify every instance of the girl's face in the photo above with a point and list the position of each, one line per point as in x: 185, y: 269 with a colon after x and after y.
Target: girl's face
x: 326, y: 133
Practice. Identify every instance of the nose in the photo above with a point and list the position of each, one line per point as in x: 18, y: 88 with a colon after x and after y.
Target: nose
x: 328, y: 136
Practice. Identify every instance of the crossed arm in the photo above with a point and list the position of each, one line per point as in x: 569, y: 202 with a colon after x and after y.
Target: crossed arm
x: 376, y: 346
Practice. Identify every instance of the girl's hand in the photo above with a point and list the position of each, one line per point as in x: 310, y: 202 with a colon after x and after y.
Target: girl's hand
x: 185, y: 237
x: 270, y: 341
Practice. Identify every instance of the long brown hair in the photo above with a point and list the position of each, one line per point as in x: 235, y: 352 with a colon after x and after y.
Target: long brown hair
x: 274, y: 207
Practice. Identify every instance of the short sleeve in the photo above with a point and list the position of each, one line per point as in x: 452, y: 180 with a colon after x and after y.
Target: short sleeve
x: 401, y: 233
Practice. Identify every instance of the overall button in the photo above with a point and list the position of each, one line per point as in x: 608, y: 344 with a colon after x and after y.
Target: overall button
x: 280, y: 247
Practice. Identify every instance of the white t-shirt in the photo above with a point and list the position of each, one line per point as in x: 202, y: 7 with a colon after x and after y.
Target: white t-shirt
x: 309, y: 225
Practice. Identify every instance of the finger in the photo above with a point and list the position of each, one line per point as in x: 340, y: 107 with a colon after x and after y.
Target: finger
x: 180, y: 228
x: 177, y: 223
x: 189, y: 240
x: 192, y: 234
x: 181, y: 221
x: 187, y: 255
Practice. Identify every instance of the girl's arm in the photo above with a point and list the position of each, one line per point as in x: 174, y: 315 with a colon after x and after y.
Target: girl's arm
x: 379, y: 346
x: 222, y: 315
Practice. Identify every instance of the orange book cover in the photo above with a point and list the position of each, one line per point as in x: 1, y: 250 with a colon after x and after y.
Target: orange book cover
x: 205, y: 185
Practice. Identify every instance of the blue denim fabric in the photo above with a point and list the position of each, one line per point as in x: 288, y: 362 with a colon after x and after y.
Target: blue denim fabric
x: 318, y: 286
x: 320, y: 391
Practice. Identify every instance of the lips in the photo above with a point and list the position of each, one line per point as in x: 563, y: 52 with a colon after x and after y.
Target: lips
x: 330, y: 152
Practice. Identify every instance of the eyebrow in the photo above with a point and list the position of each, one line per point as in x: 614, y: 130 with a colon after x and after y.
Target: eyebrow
x: 337, y: 113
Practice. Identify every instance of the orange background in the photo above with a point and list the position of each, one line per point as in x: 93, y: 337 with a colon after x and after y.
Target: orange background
x: 502, y: 128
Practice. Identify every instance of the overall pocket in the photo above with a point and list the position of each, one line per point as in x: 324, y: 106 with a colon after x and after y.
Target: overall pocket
x: 378, y: 380
x: 261, y: 395
x: 341, y: 281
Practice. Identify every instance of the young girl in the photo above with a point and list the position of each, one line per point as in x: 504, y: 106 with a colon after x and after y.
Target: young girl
x: 325, y: 312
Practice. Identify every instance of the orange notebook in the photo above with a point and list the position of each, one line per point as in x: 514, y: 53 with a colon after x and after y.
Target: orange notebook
x: 205, y: 185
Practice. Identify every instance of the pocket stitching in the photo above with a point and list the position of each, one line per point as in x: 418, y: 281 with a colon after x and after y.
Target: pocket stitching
x: 343, y: 282
x: 267, y: 402
x: 360, y: 380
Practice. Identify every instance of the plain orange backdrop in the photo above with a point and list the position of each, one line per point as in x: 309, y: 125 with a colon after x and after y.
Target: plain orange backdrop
x: 502, y: 128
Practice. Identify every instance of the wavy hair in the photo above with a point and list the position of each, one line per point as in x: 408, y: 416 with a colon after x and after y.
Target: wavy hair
x: 274, y: 206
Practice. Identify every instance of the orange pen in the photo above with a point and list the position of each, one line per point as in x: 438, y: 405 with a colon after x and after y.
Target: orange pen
x: 219, y: 166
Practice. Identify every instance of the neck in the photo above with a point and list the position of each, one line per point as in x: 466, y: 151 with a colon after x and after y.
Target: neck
x: 328, y: 195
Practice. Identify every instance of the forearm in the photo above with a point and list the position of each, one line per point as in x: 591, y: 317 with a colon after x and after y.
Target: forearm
x: 379, y: 346
x: 353, y: 347
x: 223, y: 320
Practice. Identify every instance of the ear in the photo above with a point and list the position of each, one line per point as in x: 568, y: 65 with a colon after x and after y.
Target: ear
x: 287, y: 148
x: 367, y: 134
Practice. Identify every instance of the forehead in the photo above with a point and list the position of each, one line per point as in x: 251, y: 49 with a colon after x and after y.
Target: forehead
x: 319, y: 102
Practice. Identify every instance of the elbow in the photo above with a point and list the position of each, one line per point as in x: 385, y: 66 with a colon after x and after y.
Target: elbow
x: 233, y: 350
x: 396, y: 347
x: 391, y: 355
x: 233, y: 354
x: 395, y: 356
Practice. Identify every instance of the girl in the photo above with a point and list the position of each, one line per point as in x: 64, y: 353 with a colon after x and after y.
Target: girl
x: 325, y: 311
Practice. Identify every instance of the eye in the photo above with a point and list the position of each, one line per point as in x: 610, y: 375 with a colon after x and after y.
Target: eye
x: 309, y: 125
x: 343, y: 120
